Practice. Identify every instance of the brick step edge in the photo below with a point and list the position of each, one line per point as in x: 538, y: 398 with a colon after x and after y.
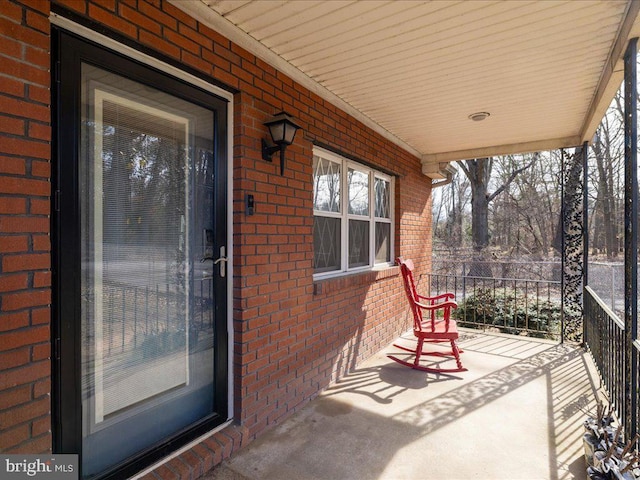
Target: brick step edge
x: 202, y: 457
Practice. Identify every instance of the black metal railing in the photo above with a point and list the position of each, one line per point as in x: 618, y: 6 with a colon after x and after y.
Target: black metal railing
x: 508, y: 305
x: 604, y: 337
x: 134, y: 315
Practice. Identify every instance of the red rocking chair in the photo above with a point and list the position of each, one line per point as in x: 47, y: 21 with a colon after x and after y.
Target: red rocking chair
x: 433, y: 329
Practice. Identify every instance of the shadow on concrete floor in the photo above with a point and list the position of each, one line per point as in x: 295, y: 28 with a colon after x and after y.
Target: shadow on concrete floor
x: 516, y: 414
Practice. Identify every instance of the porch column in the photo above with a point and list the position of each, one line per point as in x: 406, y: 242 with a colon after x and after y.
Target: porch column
x: 631, y: 236
x: 585, y: 218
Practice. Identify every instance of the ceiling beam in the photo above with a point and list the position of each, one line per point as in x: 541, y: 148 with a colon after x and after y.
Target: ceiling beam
x: 537, y: 146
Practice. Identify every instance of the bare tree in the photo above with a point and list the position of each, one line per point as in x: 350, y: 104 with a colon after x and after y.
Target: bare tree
x: 608, y: 154
x: 478, y: 172
x: 449, y: 217
x: 521, y: 216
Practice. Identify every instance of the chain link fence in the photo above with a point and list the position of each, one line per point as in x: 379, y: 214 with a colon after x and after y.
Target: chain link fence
x: 606, y: 279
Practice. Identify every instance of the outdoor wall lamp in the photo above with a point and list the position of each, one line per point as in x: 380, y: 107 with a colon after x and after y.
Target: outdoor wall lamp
x: 282, y: 129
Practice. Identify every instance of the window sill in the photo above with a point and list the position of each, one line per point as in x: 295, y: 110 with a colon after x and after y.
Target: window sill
x: 325, y: 286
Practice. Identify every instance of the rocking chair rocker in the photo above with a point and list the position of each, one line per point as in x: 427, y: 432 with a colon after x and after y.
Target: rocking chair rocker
x: 431, y: 330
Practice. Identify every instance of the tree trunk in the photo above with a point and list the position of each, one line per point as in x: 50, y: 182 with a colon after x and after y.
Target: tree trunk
x: 606, y: 196
x: 480, y: 217
x: 478, y: 172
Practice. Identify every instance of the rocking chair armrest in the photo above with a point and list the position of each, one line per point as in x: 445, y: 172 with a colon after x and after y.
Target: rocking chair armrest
x: 443, y: 296
x: 437, y: 306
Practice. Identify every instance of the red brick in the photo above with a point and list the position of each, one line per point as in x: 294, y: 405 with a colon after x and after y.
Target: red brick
x: 108, y: 4
x: 225, y: 442
x: 40, y: 131
x: 15, y: 436
x: 181, y: 468
x: 9, y: 283
x: 159, y: 44
x: 23, y: 224
x: 41, y: 388
x: 24, y: 109
x: 179, y: 15
x: 37, y: 56
x: 38, y: 21
x: 13, y: 205
x: 20, y: 69
x: 157, y: 15
x: 41, y: 352
x: 39, y: 207
x: 24, y: 186
x: 41, y: 279
x: 40, y: 445
x: 14, y: 126
x: 194, y: 463
x: 40, y: 426
x: 23, y: 34
x: 205, y: 455
x: 38, y: 5
x: 11, y: 11
x: 227, y: 78
x: 40, y: 243
x: 141, y: 21
x: 28, y: 336
x: 20, y: 146
x: 11, y: 48
x: 40, y: 316
x: 15, y: 396
x: 195, y: 61
x: 11, y: 86
x: 14, y: 358
x: 18, y: 301
x: 25, y: 375
x: 25, y: 262
x: 79, y: 6
x: 13, y: 321
x: 216, y: 448
x: 12, y: 165
x: 165, y: 473
x: 39, y: 93
x: 113, y: 21
x: 41, y: 169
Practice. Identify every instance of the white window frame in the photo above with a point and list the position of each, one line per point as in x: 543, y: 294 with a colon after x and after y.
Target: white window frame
x: 345, y: 216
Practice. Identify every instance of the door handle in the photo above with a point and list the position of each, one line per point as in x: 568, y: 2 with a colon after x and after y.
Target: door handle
x: 222, y: 261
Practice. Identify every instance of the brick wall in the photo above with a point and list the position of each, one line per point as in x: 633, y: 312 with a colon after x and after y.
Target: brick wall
x: 292, y: 337
x: 25, y: 191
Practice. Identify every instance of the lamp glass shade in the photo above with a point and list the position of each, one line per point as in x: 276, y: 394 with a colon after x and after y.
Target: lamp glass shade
x: 289, y: 132
x: 277, y: 132
x: 282, y: 128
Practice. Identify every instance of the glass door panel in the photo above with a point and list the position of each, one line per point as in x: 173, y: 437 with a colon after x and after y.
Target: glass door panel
x: 146, y: 195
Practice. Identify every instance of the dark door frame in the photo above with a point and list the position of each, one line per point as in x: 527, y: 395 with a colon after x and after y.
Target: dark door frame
x: 69, y: 50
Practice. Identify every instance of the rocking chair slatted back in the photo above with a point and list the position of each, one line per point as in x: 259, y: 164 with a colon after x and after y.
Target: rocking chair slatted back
x: 418, y: 303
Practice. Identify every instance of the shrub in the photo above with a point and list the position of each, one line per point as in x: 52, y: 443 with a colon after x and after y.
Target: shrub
x: 511, y: 313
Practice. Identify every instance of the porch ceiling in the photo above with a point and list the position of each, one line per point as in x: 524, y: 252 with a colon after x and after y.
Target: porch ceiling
x: 415, y: 71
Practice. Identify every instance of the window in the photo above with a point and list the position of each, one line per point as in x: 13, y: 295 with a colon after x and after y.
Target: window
x: 352, y: 225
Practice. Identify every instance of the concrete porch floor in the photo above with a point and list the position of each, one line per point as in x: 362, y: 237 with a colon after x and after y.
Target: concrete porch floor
x: 517, y: 413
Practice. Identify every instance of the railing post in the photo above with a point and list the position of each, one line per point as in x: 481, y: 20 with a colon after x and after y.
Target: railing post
x: 562, y: 246
x: 585, y: 228
x: 631, y: 236
x: 585, y: 211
